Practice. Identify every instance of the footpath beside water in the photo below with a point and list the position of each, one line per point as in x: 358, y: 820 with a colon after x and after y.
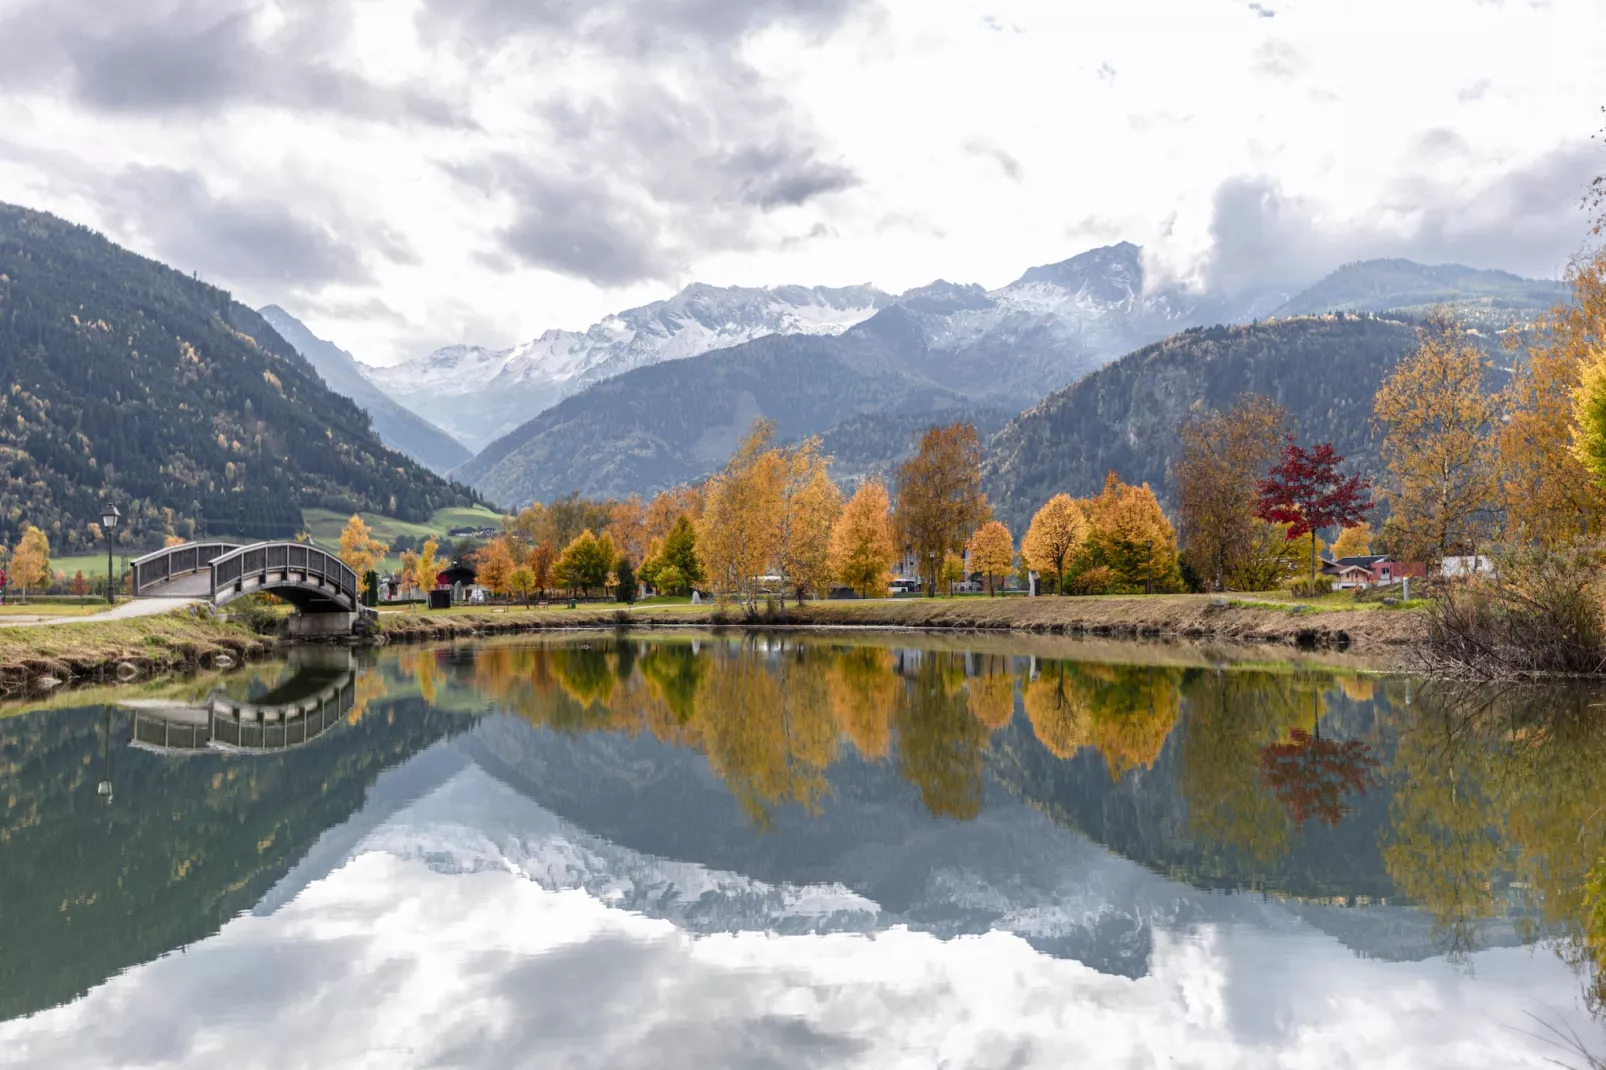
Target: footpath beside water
x: 107, y: 650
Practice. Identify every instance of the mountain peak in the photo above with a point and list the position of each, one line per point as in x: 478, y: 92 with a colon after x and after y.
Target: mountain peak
x: 1110, y: 273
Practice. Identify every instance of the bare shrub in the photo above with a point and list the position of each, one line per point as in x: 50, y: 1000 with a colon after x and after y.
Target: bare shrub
x: 1542, y: 612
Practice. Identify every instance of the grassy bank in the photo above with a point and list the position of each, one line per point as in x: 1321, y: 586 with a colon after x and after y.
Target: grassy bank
x: 94, y: 651
x: 1363, y: 629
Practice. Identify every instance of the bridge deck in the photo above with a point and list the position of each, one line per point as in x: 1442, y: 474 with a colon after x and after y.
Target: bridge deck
x: 194, y: 585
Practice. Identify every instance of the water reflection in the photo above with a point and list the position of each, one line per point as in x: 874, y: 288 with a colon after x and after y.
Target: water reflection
x: 1092, y: 810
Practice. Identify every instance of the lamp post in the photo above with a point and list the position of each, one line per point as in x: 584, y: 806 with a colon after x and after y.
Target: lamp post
x: 1148, y: 571
x: 109, y: 517
x: 931, y: 592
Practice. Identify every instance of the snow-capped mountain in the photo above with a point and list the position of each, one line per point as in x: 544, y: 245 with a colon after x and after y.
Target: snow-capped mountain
x: 478, y: 394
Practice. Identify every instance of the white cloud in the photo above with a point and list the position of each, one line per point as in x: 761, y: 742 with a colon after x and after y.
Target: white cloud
x: 385, y: 963
x: 643, y: 145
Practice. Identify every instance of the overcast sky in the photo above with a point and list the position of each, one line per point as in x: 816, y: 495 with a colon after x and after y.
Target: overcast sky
x: 403, y: 174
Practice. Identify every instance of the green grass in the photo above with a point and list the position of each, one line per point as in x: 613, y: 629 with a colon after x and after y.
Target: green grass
x: 325, y: 525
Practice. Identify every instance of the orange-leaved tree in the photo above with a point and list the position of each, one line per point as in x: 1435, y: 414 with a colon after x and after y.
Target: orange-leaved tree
x: 862, y: 547
x: 992, y: 553
x: 940, y: 501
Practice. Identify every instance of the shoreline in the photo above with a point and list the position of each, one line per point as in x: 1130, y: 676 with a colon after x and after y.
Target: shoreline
x: 42, y: 659
x: 1381, y: 633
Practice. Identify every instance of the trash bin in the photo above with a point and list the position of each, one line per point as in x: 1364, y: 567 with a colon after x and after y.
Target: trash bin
x: 441, y: 599
x: 571, y: 603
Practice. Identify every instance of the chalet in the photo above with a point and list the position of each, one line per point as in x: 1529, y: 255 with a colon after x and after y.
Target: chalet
x: 1371, y: 570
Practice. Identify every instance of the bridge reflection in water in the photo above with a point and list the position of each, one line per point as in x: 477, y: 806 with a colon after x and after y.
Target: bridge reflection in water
x: 313, y: 701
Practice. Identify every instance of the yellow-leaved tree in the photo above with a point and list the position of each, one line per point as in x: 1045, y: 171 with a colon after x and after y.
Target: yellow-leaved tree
x: 1438, y: 427
x: 30, y: 562
x: 172, y: 540
x: 992, y: 553
x: 426, y: 567
x: 1056, y: 534
x: 1353, y: 542
x: 359, y: 550
x: 810, y: 504
x: 1549, y: 495
x: 739, y: 533
x: 862, y: 546
x: 1130, y: 536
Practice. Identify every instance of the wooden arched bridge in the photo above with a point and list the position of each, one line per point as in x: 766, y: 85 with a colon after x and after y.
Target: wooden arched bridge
x: 322, y: 587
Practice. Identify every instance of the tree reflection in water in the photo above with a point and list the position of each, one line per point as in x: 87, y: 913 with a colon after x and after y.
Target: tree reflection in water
x: 1486, y: 809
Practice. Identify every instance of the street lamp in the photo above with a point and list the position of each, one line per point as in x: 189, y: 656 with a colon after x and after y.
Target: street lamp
x: 931, y: 592
x: 109, y: 516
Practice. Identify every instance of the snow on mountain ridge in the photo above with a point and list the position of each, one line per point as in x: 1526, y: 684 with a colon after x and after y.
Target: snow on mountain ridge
x: 533, y: 375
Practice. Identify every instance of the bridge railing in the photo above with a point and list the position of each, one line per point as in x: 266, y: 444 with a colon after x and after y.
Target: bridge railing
x: 172, y: 562
x: 263, y: 558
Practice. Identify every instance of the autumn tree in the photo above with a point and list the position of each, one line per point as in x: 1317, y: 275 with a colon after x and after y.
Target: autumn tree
x: 521, y: 581
x: 1549, y: 494
x: 627, y: 527
x: 1057, y: 532
x: 1312, y: 776
x: 30, y: 561
x: 495, y: 562
x: 674, y: 567
x: 739, y: 534
x: 809, y: 506
x: 80, y: 586
x: 425, y: 568
x: 669, y: 507
x: 940, y: 501
x: 862, y: 549
x: 1305, y: 491
x: 1354, y: 541
x: 1267, y: 559
x: 171, y: 541
x: 359, y: 550
x: 1223, y: 457
x: 1129, y: 535
x: 625, y: 589
x: 992, y: 553
x: 951, y: 572
x: 585, y: 563
x: 1438, y: 427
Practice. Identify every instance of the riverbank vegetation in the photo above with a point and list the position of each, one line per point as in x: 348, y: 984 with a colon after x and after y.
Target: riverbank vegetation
x: 92, y: 650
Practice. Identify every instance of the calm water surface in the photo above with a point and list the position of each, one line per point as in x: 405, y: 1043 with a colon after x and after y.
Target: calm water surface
x: 718, y: 852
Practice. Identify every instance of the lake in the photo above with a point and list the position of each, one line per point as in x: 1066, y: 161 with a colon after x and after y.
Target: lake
x: 802, y: 851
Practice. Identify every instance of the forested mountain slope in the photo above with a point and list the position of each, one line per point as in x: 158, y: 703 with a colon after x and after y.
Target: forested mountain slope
x: 1324, y: 372
x: 125, y: 379
x: 401, y: 430
x: 680, y: 420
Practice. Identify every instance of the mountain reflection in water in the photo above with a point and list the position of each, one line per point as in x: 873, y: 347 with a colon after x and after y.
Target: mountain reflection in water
x: 1105, y: 815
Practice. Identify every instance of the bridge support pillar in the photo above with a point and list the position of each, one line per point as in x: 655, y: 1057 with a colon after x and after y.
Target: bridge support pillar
x: 312, y: 625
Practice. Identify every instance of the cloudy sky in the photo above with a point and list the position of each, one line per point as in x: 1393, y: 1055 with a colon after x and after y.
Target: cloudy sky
x: 404, y: 174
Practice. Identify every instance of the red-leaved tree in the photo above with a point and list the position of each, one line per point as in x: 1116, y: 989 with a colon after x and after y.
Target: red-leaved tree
x: 1312, y: 776
x: 1305, y: 491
